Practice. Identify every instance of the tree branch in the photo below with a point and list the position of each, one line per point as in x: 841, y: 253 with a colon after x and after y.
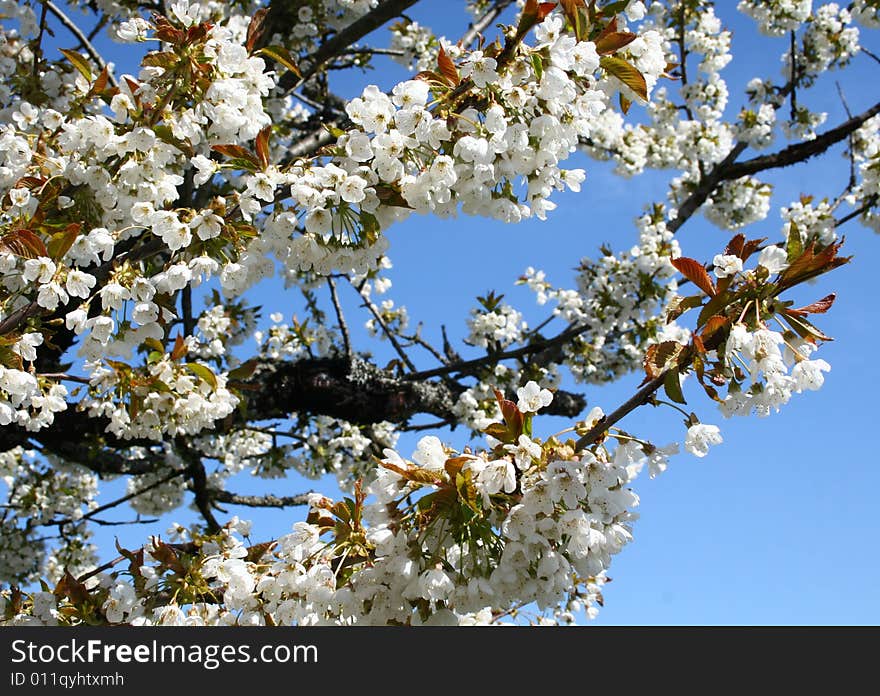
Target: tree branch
x: 355, y: 31
x: 82, y: 38
x: 480, y: 25
x: 799, y: 152
x: 259, y: 500
x: 640, y: 398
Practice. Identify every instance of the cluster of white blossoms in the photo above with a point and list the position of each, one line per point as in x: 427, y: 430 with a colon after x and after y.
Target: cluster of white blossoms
x: 813, y: 221
x: 829, y: 41
x: 28, y: 401
x: 446, y: 538
x: 738, y: 203
x: 498, y: 326
x: 776, y: 366
x: 45, y: 493
x: 866, y: 153
x: 165, y: 397
x: 777, y: 17
x: 415, y: 45
x: 197, y: 170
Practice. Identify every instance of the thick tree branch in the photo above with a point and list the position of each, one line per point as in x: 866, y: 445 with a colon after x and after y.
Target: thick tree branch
x: 705, y: 188
x: 640, y: 398
x: 354, y: 32
x: 799, y: 152
x: 259, y: 500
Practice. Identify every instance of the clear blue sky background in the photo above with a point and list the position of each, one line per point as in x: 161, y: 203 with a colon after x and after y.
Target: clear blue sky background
x: 777, y: 525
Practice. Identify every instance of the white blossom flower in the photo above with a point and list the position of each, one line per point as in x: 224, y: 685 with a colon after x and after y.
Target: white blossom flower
x: 700, y: 437
x: 532, y: 398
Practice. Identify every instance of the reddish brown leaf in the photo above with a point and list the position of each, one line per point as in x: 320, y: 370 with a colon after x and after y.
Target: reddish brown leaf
x: 237, y: 152
x: 735, y: 246
x: 166, y: 556
x: 714, y: 323
x: 609, y: 43
x: 24, y: 243
x: 100, y: 83
x: 447, y: 68
x: 610, y: 28
x: 750, y: 247
x: 179, y: 349
x: 30, y: 182
x: 661, y: 357
x: 256, y: 29
x: 454, y: 465
x: 71, y: 588
x: 544, y: 9
x: 810, y: 264
x: 694, y: 272
x: 818, y: 307
x: 262, y: 146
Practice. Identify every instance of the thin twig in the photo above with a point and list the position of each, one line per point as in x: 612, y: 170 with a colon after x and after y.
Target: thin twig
x: 869, y: 203
x: 480, y: 25
x: 640, y: 398
x: 419, y: 341
x: 793, y: 52
x: 372, y: 51
x: 425, y: 426
x: 385, y: 329
x: 465, y: 366
x: 852, y: 159
x: 65, y: 377
x: 868, y: 53
x: 82, y: 38
x: 340, y: 317
x: 38, y: 50
x: 118, y: 501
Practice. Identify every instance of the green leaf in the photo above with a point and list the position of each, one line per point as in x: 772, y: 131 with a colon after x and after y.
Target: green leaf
x: 538, y: 64
x: 78, y: 62
x: 243, y: 371
x: 678, y: 305
x: 672, y: 387
x: 805, y: 329
x: 615, y: 7
x: 60, y: 242
x: 627, y: 73
x: 155, y: 344
x: 203, y: 372
x: 795, y: 245
x: 280, y: 55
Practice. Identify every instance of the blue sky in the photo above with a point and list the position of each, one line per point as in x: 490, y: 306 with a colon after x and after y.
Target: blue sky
x: 775, y: 526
